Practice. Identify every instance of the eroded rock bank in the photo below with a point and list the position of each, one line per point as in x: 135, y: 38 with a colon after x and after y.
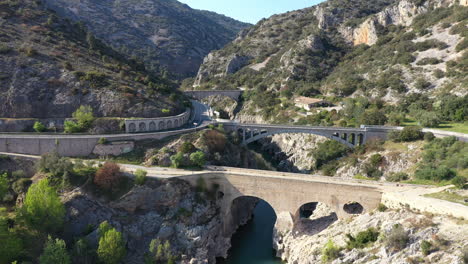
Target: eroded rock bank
x: 306, y: 242
x: 168, y: 210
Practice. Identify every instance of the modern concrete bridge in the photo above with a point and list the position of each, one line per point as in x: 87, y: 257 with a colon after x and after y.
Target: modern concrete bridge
x: 199, y: 95
x: 351, y: 137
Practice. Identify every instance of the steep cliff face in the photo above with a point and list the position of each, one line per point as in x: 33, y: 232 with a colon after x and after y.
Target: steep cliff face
x: 164, y: 34
x: 339, y: 48
x: 49, y: 67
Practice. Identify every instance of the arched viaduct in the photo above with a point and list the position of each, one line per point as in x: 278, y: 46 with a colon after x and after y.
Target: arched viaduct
x: 351, y: 137
x: 286, y: 194
x: 199, y: 95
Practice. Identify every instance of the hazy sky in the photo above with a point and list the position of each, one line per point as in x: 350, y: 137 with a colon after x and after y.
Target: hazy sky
x: 250, y: 10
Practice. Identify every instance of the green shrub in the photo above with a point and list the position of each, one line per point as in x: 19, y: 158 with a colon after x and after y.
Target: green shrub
x: 11, y: 245
x: 39, y: 127
x: 18, y: 174
x: 187, y: 147
x: 427, y: 61
x: 462, y: 45
x: 21, y: 185
x: 95, y: 79
x: 198, y: 159
x: 42, y: 208
x: 3, y: 185
x: 429, y: 136
x: 55, y: 251
x: 111, y: 248
x: 160, y: 252
x: 103, y: 141
x: 459, y: 182
x: 397, y: 177
x: 428, y: 119
x: 421, y: 84
x: 140, y: 176
x: 397, y: 239
x: 408, y: 134
x: 382, y: 207
x: 177, y: 159
x: 362, y: 239
x: 438, y: 174
x: 426, y: 247
x: 328, y: 151
x: 330, y: 252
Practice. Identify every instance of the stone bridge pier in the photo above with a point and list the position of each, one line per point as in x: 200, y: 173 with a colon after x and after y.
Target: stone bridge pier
x: 286, y: 195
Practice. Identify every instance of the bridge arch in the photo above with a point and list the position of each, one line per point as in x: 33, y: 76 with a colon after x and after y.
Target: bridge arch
x: 132, y: 127
x: 259, y: 134
x: 142, y: 127
x: 152, y: 126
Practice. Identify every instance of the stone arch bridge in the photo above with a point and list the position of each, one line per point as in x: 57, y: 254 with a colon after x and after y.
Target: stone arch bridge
x: 199, y: 95
x: 286, y: 193
x: 351, y: 137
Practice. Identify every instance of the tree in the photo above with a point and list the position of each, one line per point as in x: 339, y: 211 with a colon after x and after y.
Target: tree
x: 55, y: 251
x: 198, y: 159
x: 3, y: 185
x: 374, y: 117
x: 160, y: 252
x: 328, y: 151
x: 108, y: 176
x: 187, y: 147
x: 55, y: 166
x: 42, y: 209
x: 84, y: 116
x: 140, y: 176
x: 39, y: 127
x: 111, y: 248
x: 428, y: 119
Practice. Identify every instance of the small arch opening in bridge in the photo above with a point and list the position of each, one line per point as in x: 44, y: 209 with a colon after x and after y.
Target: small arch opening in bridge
x: 132, y: 127
x: 254, y: 240
x: 312, y: 218
x: 353, y: 208
x: 152, y: 126
x: 142, y: 127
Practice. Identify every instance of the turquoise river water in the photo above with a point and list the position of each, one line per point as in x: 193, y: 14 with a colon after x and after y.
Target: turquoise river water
x: 252, y: 243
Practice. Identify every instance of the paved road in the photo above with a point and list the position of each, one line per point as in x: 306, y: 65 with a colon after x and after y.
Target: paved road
x: 201, y: 113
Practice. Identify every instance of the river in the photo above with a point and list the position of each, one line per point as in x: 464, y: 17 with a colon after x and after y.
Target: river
x: 252, y: 243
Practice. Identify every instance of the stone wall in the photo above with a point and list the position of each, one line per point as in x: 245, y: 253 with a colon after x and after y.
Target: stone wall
x: 156, y: 124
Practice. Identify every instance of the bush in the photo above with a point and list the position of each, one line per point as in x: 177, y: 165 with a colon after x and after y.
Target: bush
x: 84, y: 116
x: 103, y: 141
x: 382, y: 208
x: 428, y: 119
x: 438, y: 174
x: 108, y: 177
x: 55, y: 166
x: 3, y: 185
x: 459, y: 182
x: 330, y: 252
x: 397, y: 177
x: 140, y: 176
x: 160, y: 252
x: 55, y: 251
x: 177, y: 160
x: 397, y: 239
x: 42, y: 208
x: 408, y: 134
x: 362, y: 239
x: 374, y: 117
x: 421, y: 84
x: 21, y: 185
x: 426, y: 247
x: 39, y: 127
x: 187, y: 147
x: 328, y: 151
x: 429, y: 136
x: 111, y: 248
x: 198, y: 159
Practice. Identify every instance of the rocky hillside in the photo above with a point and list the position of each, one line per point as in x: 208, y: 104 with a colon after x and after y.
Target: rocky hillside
x: 378, y: 237
x: 165, y: 34
x: 49, y: 67
x: 341, y: 48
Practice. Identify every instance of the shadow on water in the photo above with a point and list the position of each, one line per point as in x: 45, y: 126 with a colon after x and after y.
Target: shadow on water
x: 252, y: 243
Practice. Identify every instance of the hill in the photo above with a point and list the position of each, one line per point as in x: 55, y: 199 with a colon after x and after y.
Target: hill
x: 165, y: 34
x: 50, y: 66
x: 385, y: 51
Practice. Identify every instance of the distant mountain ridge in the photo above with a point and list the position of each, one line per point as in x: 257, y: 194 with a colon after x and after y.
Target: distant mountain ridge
x: 165, y: 34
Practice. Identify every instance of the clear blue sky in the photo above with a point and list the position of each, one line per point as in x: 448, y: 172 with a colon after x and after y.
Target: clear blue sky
x: 250, y: 10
